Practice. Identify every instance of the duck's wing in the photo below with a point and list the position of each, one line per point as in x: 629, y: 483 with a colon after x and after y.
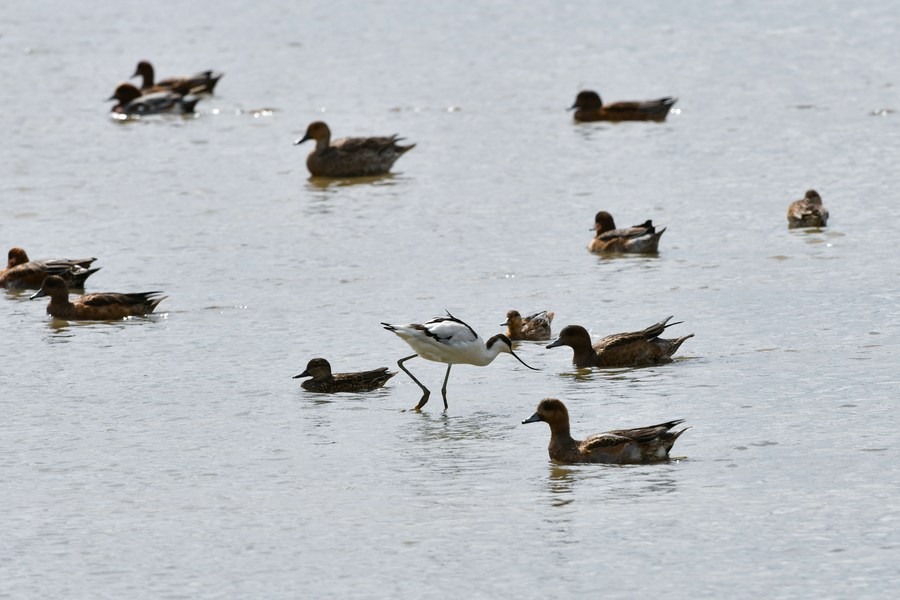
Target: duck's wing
x: 620, y: 339
x: 629, y: 232
x: 374, y: 374
x: 373, y: 145
x: 67, y: 262
x: 607, y: 440
x: 160, y: 102
x: 643, y: 435
x: 641, y: 107
x: 114, y: 298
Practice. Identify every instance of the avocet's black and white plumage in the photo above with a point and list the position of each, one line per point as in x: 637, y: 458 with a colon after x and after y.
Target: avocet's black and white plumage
x: 451, y: 341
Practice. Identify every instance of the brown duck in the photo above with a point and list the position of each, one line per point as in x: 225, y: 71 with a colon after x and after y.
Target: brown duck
x: 807, y: 212
x: 620, y: 447
x: 350, y: 157
x: 104, y: 306
x: 591, y: 108
x: 640, y: 239
x: 534, y: 327
x: 635, y: 349
x: 323, y: 381
x: 199, y: 83
x: 21, y: 273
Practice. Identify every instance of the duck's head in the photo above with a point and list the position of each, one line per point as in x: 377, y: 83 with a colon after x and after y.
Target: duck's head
x: 125, y: 93
x: 603, y: 221
x: 574, y: 336
x: 318, y: 131
x: 144, y: 69
x: 316, y: 368
x: 513, y: 320
x: 16, y: 256
x: 813, y: 196
x: 503, y: 344
x: 551, y: 411
x: 53, y: 286
x: 587, y: 99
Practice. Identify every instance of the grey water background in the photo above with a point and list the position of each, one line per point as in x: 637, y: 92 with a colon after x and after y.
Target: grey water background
x: 174, y: 457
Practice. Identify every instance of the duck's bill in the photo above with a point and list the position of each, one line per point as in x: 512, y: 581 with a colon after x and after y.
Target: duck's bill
x: 38, y: 294
x: 522, y: 361
x: 504, y: 324
x: 555, y: 343
x: 303, y: 374
x: 532, y: 419
x: 301, y: 140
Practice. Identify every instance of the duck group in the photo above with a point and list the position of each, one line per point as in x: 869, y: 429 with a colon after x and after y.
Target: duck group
x: 443, y: 339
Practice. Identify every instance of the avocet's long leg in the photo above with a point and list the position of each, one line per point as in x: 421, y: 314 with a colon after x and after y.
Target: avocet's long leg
x: 444, y: 388
x: 425, y: 391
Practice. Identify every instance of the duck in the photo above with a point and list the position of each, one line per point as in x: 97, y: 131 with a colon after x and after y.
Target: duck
x: 323, y: 381
x: 199, y: 83
x: 634, y: 349
x: 534, y: 327
x: 590, y: 107
x: 350, y: 157
x: 22, y: 273
x: 640, y: 445
x: 103, y: 306
x: 134, y: 102
x: 807, y: 212
x: 639, y: 239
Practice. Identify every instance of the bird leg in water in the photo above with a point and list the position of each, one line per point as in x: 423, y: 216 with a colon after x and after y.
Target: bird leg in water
x: 425, y: 390
x: 444, y: 388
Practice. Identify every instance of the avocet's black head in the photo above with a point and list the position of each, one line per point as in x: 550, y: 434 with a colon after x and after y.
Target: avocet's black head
x: 505, y: 346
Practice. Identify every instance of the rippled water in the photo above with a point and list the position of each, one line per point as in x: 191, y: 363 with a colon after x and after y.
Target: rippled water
x: 174, y: 457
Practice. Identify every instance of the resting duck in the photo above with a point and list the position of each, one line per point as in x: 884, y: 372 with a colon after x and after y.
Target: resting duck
x: 21, y: 273
x: 324, y: 382
x: 640, y: 239
x: 619, y: 447
x: 591, y: 108
x: 635, y: 349
x: 133, y: 102
x: 350, y: 157
x: 534, y: 327
x: 807, y: 212
x: 105, y: 306
x: 199, y: 83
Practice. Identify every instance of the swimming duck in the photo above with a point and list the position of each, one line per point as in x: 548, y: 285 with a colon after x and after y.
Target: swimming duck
x: 133, y: 102
x: 199, y: 83
x: 21, y: 273
x: 105, y: 306
x: 350, y: 157
x: 807, y: 212
x: 640, y: 239
x: 534, y: 327
x: 591, y: 108
x: 620, y: 446
x: 635, y: 349
x: 324, y: 382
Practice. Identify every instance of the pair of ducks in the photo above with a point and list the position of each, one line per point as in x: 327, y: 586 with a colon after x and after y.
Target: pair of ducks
x: 53, y: 278
x: 633, y: 349
x: 177, y: 95
x: 644, y: 238
x: 360, y: 157
x: 621, y: 446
